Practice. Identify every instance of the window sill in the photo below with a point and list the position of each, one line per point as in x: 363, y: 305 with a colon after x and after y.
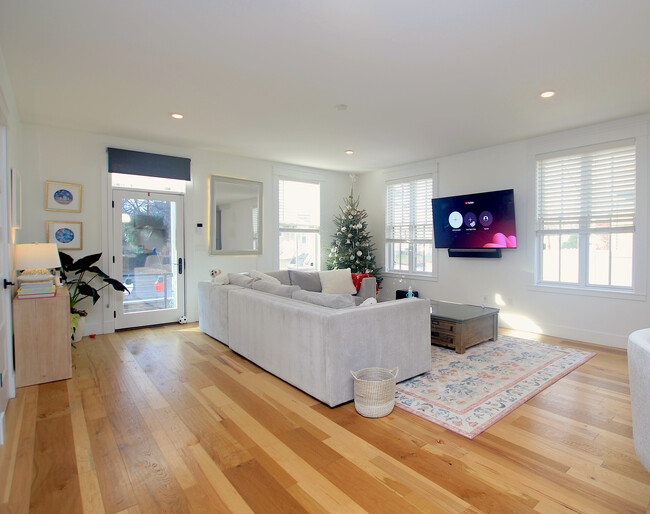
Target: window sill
x: 395, y: 275
x: 592, y: 292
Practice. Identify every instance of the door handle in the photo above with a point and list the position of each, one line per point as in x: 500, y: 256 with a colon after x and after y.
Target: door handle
x: 6, y: 283
x: 180, y: 266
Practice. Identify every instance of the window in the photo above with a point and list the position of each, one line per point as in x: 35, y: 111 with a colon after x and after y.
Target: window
x: 586, y: 206
x: 409, y: 226
x: 299, y: 224
x: 256, y: 227
x: 120, y: 180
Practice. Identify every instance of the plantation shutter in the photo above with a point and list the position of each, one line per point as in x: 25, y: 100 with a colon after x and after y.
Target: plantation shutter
x: 590, y: 191
x: 408, y: 210
x: 299, y: 205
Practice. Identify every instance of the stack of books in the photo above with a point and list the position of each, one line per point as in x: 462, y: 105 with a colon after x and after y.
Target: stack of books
x: 40, y: 288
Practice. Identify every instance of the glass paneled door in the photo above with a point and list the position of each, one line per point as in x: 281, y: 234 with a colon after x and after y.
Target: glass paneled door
x: 149, y: 257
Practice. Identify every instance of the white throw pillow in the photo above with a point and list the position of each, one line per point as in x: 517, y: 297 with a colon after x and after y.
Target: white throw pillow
x: 368, y: 301
x: 263, y: 276
x: 337, y: 281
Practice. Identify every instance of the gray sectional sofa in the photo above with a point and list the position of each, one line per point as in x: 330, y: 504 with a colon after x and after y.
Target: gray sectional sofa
x: 311, y: 346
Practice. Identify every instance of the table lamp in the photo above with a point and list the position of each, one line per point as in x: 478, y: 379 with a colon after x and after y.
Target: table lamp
x: 36, y: 260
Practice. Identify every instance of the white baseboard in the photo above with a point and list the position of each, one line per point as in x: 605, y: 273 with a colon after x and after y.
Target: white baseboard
x: 583, y: 335
x: 94, y: 328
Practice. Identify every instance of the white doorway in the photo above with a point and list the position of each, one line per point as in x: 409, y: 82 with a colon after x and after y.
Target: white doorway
x: 7, y: 387
x: 148, y: 245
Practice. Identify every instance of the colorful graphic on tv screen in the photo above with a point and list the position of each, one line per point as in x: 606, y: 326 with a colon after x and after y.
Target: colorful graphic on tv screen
x: 63, y: 196
x: 64, y: 235
x: 480, y: 220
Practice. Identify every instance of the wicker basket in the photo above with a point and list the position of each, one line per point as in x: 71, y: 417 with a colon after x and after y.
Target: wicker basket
x: 374, y: 391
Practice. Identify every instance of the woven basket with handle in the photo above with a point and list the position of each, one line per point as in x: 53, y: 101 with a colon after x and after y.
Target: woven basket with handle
x: 374, y: 391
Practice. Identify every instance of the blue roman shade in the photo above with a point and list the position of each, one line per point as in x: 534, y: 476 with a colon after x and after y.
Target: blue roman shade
x: 148, y: 164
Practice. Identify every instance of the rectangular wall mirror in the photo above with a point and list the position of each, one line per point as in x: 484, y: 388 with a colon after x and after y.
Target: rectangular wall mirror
x: 235, y: 216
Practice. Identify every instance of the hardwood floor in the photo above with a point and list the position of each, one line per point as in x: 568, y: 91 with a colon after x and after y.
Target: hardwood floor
x: 166, y: 419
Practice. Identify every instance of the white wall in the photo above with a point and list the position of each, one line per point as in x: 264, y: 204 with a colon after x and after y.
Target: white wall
x: 70, y: 156
x: 64, y: 155
x: 597, y: 319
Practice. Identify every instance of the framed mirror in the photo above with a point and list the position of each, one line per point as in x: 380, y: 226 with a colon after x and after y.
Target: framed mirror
x: 235, y: 216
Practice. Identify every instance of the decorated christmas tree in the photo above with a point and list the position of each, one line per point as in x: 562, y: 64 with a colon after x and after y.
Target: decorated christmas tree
x: 351, y: 246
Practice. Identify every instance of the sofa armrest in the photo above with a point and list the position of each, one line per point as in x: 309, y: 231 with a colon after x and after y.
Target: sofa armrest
x: 213, y: 309
x: 368, y: 288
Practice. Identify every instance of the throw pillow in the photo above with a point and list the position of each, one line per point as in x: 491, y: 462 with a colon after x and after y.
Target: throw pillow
x: 277, y: 289
x: 307, y: 280
x: 333, y: 301
x: 368, y: 301
x: 337, y: 281
x: 263, y: 276
x: 240, y: 280
x: 282, y: 276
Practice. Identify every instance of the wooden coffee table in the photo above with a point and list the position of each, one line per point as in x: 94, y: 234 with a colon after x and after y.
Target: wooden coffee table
x: 459, y: 326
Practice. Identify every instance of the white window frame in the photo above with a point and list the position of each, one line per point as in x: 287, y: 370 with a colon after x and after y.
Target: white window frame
x: 401, y: 178
x: 571, y: 140
x: 282, y: 174
x: 146, y: 183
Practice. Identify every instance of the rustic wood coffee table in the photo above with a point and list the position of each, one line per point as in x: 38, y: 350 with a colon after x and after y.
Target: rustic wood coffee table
x: 459, y: 326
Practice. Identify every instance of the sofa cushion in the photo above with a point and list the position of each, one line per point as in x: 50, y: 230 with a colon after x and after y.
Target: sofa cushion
x: 337, y: 281
x: 278, y: 289
x: 282, y: 276
x: 334, y: 301
x: 241, y: 280
x: 258, y: 275
x: 307, y: 280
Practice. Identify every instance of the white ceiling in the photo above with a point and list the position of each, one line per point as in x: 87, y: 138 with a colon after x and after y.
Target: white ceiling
x: 421, y: 78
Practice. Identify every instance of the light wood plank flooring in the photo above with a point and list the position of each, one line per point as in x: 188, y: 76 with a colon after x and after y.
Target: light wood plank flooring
x: 166, y: 419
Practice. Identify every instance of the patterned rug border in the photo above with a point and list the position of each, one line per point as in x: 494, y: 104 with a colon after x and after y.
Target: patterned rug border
x: 471, y: 434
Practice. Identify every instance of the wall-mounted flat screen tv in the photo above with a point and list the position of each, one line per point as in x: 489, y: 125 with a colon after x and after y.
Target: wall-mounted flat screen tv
x: 480, y: 220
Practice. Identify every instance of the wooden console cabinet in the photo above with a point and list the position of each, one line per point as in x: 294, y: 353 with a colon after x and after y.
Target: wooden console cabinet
x: 42, y: 339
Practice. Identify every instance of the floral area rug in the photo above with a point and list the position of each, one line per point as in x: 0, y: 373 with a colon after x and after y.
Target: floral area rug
x: 468, y: 393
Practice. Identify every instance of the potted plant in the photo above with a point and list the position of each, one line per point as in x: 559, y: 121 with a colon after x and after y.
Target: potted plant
x: 78, y: 276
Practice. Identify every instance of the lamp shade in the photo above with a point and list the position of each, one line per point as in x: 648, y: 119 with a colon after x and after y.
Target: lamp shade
x: 36, y: 256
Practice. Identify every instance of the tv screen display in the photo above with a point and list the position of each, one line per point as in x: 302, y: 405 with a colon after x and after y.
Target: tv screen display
x: 480, y: 220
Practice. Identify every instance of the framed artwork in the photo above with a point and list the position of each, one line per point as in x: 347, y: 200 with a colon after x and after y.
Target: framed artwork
x: 16, y: 208
x: 60, y: 196
x: 67, y: 235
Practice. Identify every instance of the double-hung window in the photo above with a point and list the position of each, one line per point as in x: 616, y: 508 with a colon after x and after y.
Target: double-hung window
x: 586, y: 207
x: 299, y: 224
x: 409, y: 226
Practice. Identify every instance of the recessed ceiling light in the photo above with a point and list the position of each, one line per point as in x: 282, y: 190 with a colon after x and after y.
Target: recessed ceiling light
x: 177, y: 116
x: 349, y: 152
x: 547, y: 94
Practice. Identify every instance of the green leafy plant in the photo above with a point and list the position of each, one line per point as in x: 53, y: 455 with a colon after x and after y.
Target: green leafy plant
x: 79, y: 276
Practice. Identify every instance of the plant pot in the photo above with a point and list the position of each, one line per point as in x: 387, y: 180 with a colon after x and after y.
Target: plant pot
x: 79, y: 331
